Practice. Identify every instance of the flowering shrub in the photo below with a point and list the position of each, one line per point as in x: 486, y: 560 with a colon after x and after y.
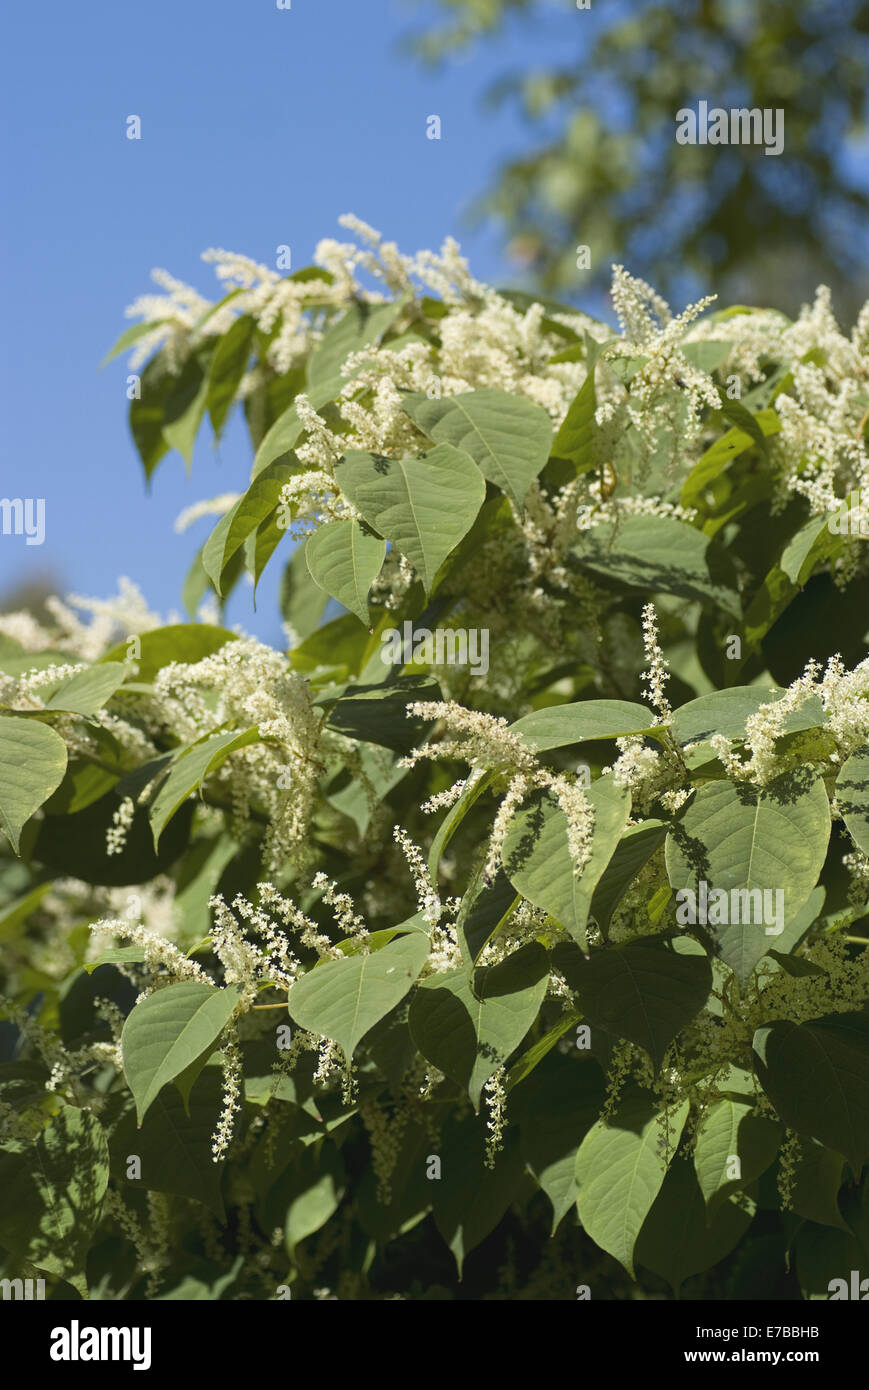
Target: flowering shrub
x: 346, y: 971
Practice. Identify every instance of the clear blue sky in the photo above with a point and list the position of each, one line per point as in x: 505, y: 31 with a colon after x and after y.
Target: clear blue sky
x: 259, y: 127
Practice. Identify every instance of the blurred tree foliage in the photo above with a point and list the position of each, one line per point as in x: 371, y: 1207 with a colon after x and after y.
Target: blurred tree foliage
x: 605, y: 170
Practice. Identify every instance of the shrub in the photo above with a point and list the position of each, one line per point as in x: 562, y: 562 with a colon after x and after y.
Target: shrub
x: 524, y: 894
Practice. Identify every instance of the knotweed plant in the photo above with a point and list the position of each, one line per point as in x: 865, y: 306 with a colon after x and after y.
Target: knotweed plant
x: 319, y: 972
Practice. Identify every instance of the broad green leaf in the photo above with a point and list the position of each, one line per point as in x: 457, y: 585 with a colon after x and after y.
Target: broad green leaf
x: 313, y: 1194
x: 555, y: 1112
x: 729, y: 446
x: 360, y: 325
x: 130, y: 337
x: 342, y: 999
x: 173, y: 1143
x: 812, y: 546
x: 468, y: 1023
x: 116, y: 955
x: 507, y: 437
x: 87, y: 691
x: 475, y: 785
x: 852, y: 794
x: 32, y: 766
x: 146, y: 414
x: 228, y: 366
x: 345, y: 559
x: 656, y: 554
x: 14, y: 914
x: 378, y: 713
x: 302, y: 601
x: 485, y: 907
x: 620, y: 1167
x: 633, y: 851
x: 184, y: 642
x: 679, y: 1238
x: 575, y: 436
x: 537, y: 859
x: 51, y: 1193
x: 830, y: 1265
x: 469, y: 1198
x: 817, y: 1183
x: 75, y: 845
x: 817, y: 1077
x: 734, y: 836
x: 731, y: 1129
x: 423, y: 506
x: 725, y: 712
x: 189, y: 771
x: 245, y: 516
x: 170, y: 1030
x: 641, y: 991
x: 184, y: 408
x: 558, y: 726
x: 531, y: 1058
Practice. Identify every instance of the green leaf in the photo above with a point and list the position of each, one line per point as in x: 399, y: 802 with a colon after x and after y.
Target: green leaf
x: 817, y: 1077
x: 146, y: 414
x: 816, y: 1185
x: 423, y: 506
x: 468, y: 1023
x: 184, y: 408
x: 245, y: 516
x: 824, y: 1263
x: 620, y: 1168
x: 725, y: 712
x: 228, y: 366
x: 130, y: 337
x: 362, y: 324
x: 51, y: 1193
x: 485, y: 907
x: 87, y: 691
x: 469, y: 1199
x: 641, y: 991
x: 342, y: 999
x: 575, y: 437
x: 344, y: 559
x: 852, y: 794
x: 378, y: 713
x: 507, y: 437
x: 184, y: 642
x: 734, y: 836
x: 116, y: 955
x: 75, y: 845
x: 728, y: 447
x: 812, y: 546
x: 189, y: 770
x: 173, y: 1143
x: 538, y: 862
x: 474, y: 788
x: 656, y: 554
x: 731, y: 1129
x: 677, y: 1241
x: 170, y: 1030
x: 313, y: 1194
x: 633, y: 851
x: 558, y: 726
x: 302, y: 601
x: 32, y: 766
x: 554, y: 1115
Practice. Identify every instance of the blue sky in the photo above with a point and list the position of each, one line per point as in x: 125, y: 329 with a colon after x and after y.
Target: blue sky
x: 259, y: 127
